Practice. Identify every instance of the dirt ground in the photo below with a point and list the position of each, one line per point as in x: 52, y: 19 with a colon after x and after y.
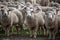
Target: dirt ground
x: 24, y: 38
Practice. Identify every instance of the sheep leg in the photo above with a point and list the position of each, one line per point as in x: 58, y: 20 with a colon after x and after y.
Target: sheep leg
x: 54, y: 34
x: 50, y: 35
x: 5, y: 31
x: 55, y: 30
x: 40, y: 29
x: 11, y: 30
x: 47, y: 32
x: 35, y: 32
x: 8, y: 31
x: 44, y: 30
x: 21, y: 28
x: 17, y: 30
x: 31, y: 34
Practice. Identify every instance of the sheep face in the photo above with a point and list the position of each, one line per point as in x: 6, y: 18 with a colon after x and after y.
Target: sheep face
x: 4, y: 12
x: 50, y: 14
x: 29, y: 10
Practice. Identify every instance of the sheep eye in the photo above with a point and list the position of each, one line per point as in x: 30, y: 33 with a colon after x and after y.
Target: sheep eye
x: 2, y: 11
x: 22, y: 6
x: 31, y: 8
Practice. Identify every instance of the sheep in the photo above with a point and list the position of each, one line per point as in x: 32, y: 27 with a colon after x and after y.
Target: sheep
x: 34, y: 21
x: 51, y: 24
x: 10, y: 18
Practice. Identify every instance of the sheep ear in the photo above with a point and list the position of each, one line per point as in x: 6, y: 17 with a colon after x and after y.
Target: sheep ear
x: 38, y: 9
x: 46, y: 13
x: 0, y: 9
x: 9, y: 10
x: 53, y: 13
x: 57, y: 9
x: 32, y: 11
x: 25, y: 8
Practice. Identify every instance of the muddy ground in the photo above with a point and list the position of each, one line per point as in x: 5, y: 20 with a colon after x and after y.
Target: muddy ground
x: 25, y: 38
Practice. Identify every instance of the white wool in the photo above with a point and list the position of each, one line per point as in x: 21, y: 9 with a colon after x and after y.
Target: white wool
x: 19, y: 7
x: 5, y: 11
x: 28, y: 11
x: 50, y: 15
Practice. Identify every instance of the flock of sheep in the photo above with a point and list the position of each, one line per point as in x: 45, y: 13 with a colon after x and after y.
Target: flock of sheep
x: 34, y: 16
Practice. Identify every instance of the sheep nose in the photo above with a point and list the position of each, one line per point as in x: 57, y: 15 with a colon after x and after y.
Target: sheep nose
x: 5, y: 14
x: 28, y: 13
